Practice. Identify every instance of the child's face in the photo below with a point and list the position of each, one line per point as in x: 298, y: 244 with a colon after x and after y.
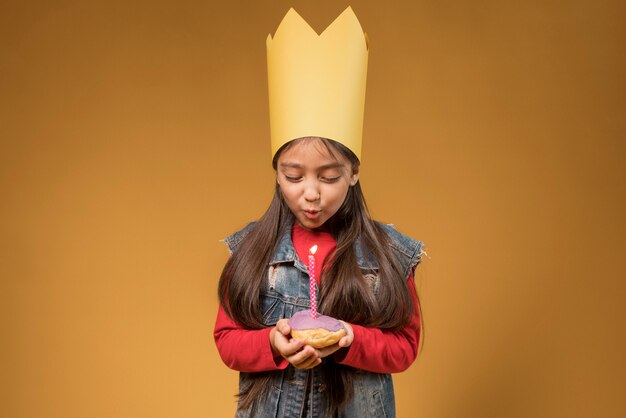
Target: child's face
x: 313, y: 182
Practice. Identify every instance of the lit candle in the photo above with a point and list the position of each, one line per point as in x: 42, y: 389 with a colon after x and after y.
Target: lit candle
x: 312, y: 281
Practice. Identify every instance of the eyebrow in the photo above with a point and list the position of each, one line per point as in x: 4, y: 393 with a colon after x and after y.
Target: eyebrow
x: 289, y: 164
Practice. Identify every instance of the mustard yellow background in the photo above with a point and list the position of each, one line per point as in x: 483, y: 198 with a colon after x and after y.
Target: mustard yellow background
x: 135, y: 135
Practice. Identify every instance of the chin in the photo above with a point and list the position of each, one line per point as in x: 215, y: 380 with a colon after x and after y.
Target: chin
x: 306, y: 223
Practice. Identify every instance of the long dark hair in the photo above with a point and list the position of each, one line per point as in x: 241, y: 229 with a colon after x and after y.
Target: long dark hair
x: 344, y: 291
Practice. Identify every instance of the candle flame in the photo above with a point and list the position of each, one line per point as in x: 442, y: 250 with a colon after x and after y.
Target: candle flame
x: 313, y: 249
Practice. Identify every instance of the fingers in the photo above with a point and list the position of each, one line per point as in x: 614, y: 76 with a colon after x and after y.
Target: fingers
x: 346, y: 341
x: 283, y: 327
x: 284, y: 345
x: 327, y: 351
x: 294, y: 351
x: 306, y: 358
x: 298, y: 354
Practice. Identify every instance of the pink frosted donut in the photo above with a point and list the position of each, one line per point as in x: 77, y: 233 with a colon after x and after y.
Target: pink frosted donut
x: 319, y: 332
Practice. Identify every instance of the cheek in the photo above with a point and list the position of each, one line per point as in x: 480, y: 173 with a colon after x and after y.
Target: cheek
x: 289, y: 192
x: 337, y: 196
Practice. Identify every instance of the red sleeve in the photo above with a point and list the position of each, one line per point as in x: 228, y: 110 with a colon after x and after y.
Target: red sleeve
x: 242, y: 349
x: 381, y: 351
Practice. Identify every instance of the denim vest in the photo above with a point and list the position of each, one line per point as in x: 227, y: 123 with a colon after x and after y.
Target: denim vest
x: 285, y: 292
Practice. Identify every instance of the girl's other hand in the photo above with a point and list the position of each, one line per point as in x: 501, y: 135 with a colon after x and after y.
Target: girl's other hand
x: 295, y: 352
x: 342, y: 343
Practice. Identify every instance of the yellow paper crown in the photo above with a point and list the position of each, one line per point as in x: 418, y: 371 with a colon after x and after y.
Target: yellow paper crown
x: 317, y: 82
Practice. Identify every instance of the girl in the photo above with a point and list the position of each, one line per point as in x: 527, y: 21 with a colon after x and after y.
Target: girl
x: 366, y: 281
x: 367, y: 268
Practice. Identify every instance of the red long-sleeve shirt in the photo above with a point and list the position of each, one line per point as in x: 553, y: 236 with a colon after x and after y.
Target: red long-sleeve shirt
x: 373, y: 349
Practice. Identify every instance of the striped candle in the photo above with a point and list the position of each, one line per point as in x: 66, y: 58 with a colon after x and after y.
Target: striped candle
x: 313, y: 297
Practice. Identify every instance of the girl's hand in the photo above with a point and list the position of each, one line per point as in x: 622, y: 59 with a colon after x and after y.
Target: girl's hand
x: 344, y: 342
x: 295, y: 352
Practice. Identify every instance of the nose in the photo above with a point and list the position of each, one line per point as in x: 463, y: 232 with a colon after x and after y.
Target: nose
x: 311, y: 191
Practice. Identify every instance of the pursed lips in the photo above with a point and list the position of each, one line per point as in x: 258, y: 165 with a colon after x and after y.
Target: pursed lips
x: 311, y: 213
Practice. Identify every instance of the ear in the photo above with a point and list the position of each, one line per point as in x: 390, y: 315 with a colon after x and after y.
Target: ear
x: 354, y: 178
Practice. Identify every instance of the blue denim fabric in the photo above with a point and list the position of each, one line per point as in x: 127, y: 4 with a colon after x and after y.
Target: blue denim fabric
x: 285, y: 292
